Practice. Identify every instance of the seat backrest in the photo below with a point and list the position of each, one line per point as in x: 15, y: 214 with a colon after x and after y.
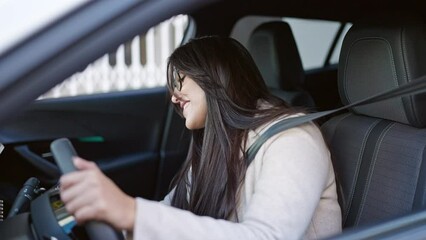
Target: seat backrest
x: 378, y: 150
x: 274, y: 50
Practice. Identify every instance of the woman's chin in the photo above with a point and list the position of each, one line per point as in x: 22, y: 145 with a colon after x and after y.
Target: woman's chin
x: 189, y: 127
x: 192, y: 126
x: 189, y: 124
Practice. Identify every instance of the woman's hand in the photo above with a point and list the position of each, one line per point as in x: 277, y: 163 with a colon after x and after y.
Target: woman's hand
x: 89, y: 195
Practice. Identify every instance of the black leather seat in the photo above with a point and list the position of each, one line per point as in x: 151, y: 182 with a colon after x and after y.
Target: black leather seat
x: 275, y: 52
x: 379, y: 150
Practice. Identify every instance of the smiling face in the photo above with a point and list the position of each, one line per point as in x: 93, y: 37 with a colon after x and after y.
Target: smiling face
x: 192, y: 100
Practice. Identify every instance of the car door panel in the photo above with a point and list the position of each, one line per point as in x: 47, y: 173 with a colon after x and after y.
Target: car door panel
x: 121, y: 132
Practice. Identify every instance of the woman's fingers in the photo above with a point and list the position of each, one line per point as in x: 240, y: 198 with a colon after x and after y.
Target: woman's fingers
x: 81, y: 188
x: 82, y: 164
x: 75, y: 177
x: 85, y: 214
x: 89, y: 195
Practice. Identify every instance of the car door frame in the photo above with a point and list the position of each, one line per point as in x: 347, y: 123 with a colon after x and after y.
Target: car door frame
x: 59, y: 50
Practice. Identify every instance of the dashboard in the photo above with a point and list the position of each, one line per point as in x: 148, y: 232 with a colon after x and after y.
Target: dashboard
x: 47, y: 219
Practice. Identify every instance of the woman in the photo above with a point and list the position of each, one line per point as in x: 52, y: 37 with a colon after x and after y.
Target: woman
x: 287, y: 192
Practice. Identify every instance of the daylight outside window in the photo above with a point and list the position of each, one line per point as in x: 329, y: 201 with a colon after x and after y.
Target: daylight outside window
x: 139, y: 63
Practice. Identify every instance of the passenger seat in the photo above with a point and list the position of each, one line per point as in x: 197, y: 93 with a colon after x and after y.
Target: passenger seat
x: 274, y: 50
x: 379, y: 150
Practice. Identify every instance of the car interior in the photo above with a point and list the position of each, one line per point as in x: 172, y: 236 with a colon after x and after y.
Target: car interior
x: 378, y: 150
x: 275, y: 52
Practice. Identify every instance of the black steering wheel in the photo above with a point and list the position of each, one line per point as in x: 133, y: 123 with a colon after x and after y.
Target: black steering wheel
x: 63, y: 152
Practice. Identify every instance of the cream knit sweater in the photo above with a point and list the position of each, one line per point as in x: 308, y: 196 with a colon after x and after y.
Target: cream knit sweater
x: 289, y: 193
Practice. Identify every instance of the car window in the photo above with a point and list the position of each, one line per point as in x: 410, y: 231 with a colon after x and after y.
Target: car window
x: 313, y: 37
x: 335, y: 55
x: 139, y: 63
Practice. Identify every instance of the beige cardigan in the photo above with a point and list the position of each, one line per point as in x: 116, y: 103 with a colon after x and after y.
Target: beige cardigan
x: 289, y: 193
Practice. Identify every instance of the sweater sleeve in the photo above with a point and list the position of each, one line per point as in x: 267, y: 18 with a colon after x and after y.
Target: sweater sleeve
x: 293, y: 175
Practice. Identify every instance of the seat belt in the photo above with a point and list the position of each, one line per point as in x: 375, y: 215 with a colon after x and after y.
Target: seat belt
x: 417, y: 85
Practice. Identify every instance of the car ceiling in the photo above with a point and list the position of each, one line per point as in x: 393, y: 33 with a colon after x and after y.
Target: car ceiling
x: 225, y: 13
x: 349, y: 10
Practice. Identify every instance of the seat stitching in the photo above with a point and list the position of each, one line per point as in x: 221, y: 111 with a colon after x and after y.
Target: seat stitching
x: 347, y: 60
x: 370, y: 172
x: 341, y: 118
x: 355, y: 177
x: 407, y: 76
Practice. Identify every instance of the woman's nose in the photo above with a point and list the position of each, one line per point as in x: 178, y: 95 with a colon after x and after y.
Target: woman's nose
x: 174, y: 99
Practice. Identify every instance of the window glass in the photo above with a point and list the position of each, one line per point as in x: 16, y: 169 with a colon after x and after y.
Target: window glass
x: 139, y: 63
x: 313, y: 37
x: 336, y: 53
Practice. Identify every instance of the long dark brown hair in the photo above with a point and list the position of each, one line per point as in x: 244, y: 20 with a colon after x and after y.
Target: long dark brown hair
x: 214, y: 170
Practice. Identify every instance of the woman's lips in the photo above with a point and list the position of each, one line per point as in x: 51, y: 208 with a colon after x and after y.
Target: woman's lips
x: 183, y: 104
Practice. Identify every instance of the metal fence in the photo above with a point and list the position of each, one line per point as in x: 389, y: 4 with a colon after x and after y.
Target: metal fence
x: 139, y: 63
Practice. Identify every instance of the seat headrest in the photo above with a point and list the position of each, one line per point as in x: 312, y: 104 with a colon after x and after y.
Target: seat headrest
x: 274, y: 50
x: 381, y: 56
